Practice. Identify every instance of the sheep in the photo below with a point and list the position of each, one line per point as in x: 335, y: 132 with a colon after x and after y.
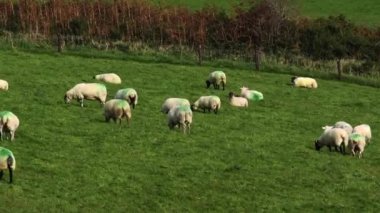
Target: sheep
x: 216, y: 78
x: 251, y: 94
x: 128, y: 94
x: 357, y: 143
x: 89, y: 91
x: 336, y: 137
x: 181, y: 116
x: 7, y: 161
x: 108, y: 78
x: 340, y: 124
x: 364, y: 130
x: 211, y: 102
x: 304, y: 82
x: 117, y: 109
x: 173, y: 102
x: 3, y: 85
x: 237, y: 101
x: 8, y: 123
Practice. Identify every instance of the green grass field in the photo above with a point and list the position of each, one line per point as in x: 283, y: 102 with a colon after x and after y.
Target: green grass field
x: 259, y: 158
x: 364, y: 12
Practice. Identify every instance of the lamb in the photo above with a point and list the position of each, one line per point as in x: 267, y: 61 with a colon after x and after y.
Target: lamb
x: 364, y: 130
x: 117, y: 109
x: 216, y: 78
x: 7, y: 161
x: 181, y: 116
x: 8, y: 122
x: 357, y: 144
x: 89, y: 91
x: 237, y: 101
x: 251, y: 94
x: 211, y: 102
x: 336, y: 137
x: 304, y: 82
x: 128, y: 94
x: 108, y: 78
x: 173, y: 102
x: 3, y: 85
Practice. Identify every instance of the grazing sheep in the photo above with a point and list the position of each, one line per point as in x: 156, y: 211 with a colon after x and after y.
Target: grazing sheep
x: 117, y: 109
x: 217, y: 78
x: 7, y: 161
x: 304, y: 82
x: 211, y: 102
x: 108, y: 78
x: 334, y: 137
x: 128, y: 94
x: 3, y: 85
x: 357, y: 144
x: 251, y: 94
x: 173, y: 102
x: 89, y: 91
x: 340, y: 124
x: 237, y: 101
x: 8, y: 123
x: 181, y: 116
x: 364, y: 130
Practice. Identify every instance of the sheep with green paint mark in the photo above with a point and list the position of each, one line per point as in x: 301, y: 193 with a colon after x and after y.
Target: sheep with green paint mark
x: 217, y: 78
x: 117, y: 109
x: 9, y: 122
x: 357, y: 144
x: 364, y: 130
x: 173, y: 102
x: 211, y: 102
x: 108, y: 78
x: 251, y: 94
x: 3, y: 85
x: 7, y: 162
x: 181, y: 116
x: 88, y: 91
x: 128, y: 94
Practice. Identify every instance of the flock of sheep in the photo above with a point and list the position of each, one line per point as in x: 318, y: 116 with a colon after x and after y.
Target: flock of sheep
x: 180, y: 112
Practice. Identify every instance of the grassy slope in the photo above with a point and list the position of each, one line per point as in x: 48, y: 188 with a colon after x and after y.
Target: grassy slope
x: 262, y: 157
x: 363, y: 12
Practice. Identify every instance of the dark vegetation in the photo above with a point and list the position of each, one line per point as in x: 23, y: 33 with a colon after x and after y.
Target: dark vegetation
x: 266, y: 28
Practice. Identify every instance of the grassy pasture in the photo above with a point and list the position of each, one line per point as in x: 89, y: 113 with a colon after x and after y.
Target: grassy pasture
x: 260, y: 158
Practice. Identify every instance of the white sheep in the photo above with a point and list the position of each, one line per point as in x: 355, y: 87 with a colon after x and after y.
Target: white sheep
x: 173, y: 102
x: 335, y: 137
x: 181, y: 116
x: 340, y: 124
x: 128, y: 94
x: 217, y: 78
x: 108, y: 78
x: 211, y: 102
x: 88, y: 91
x: 251, y: 94
x: 237, y: 101
x: 8, y: 123
x: 357, y: 144
x: 7, y: 162
x: 304, y: 82
x: 117, y: 109
x: 3, y: 85
x: 364, y: 130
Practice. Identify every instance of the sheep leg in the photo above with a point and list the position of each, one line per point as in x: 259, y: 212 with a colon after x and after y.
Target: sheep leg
x: 12, y: 135
x: 329, y: 147
x: 1, y: 174
x: 9, y: 164
x: 336, y: 148
x: 1, y: 132
x: 81, y: 102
